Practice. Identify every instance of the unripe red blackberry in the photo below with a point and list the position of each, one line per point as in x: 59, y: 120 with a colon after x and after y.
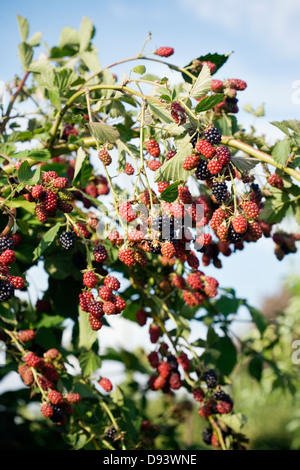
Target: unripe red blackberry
x: 159, y: 382
x: 251, y: 209
x: 119, y: 303
x: 95, y: 323
x: 126, y: 256
x: 255, y: 230
x: 198, y: 394
x: 205, y: 148
x: 170, y: 155
x: 154, y: 332
x: 81, y: 230
x: 61, y: 182
x: 90, y: 279
x: 141, y: 316
x: 41, y: 213
x: 49, y: 371
x: 106, y: 384
x: 233, y: 236
x: 37, y: 191
x: 223, y: 155
x: 109, y: 308
x: 26, y: 335
x: 26, y: 375
x: 7, y: 258
x: 49, y: 176
x: 224, y: 407
x: 153, y: 165
x: 162, y: 186
x: 175, y: 381
x: 184, y: 361
x: 276, y: 181
x: 64, y: 206
x: 127, y: 212
x: 49, y: 200
x: 211, y: 286
x: 73, y: 398
x: 47, y: 410
x: 112, y: 282
x: 167, y: 250
x: 105, y: 293
x: 129, y: 170
x: 178, y: 281
x: 194, y: 280
x: 55, y: 397
x: 32, y: 360
x: 236, y: 84
x: 178, y: 113
x: 240, y: 224
x: 164, y: 51
x: 152, y: 147
x: 52, y: 354
x: 214, y: 167
x: 164, y: 369
x: 105, y: 157
x: 191, y: 162
x: 100, y: 253
x: 153, y: 359
x: 217, y: 86
x: 95, y: 308
x: 140, y: 258
x: 205, y: 411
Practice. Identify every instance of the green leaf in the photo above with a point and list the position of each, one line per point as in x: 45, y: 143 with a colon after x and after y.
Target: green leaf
x: 28, y: 176
x: 203, y: 83
x: 81, y: 155
x: 170, y: 194
x: 25, y: 55
x: 86, y: 32
x: 244, y: 162
x: 281, y: 151
x: 218, y: 59
x: 89, y: 362
x: 87, y: 336
x: 256, y: 367
x: 103, y: 132
x: 140, y: 69
x: 228, y: 357
x: 275, y: 207
x: 161, y: 112
x: 258, y: 318
x: 281, y: 126
x: 68, y: 37
x: 208, y: 102
x: 6, y: 314
x: 35, y: 39
x: 172, y: 170
x: 91, y: 60
x: 46, y: 241
x: 23, y: 27
x: 293, y: 124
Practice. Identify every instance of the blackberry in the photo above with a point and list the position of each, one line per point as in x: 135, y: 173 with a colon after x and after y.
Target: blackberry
x: 195, y: 137
x: 211, y: 378
x: 57, y: 415
x: 67, y: 240
x: 172, y: 361
x: 6, y: 243
x: 219, y: 190
x: 207, y: 435
x: 154, y: 246
x: 213, y: 136
x: 6, y: 290
x: 111, y: 433
x: 233, y: 236
x: 220, y: 395
x: 202, y: 172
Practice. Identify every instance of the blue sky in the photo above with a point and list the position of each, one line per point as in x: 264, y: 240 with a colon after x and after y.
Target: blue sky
x: 264, y: 37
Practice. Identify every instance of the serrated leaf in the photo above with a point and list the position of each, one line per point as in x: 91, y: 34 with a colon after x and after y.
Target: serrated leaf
x: 203, y: 83
x: 35, y: 39
x: 25, y: 55
x: 28, y: 176
x: 244, y: 163
x: 170, y: 194
x: 281, y: 126
x: 281, y: 151
x: 68, y: 37
x: 293, y: 124
x: 23, y: 27
x: 172, y: 170
x: 208, y: 102
x: 103, y: 132
x: 46, y: 241
x: 91, y: 60
x: 218, y: 59
x: 140, y: 69
x: 89, y: 362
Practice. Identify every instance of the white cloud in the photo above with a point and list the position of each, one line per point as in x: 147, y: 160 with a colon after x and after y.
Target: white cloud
x: 268, y: 23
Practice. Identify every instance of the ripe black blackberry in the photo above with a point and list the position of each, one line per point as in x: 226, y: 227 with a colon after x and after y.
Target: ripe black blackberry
x: 202, y: 172
x: 6, y: 243
x: 111, y: 433
x: 67, y: 240
x: 233, y: 236
x: 220, y: 395
x: 154, y: 246
x: 212, y: 135
x: 58, y: 415
x: 195, y: 137
x: 6, y: 290
x: 211, y: 378
x: 172, y: 360
x: 219, y: 190
x: 207, y: 435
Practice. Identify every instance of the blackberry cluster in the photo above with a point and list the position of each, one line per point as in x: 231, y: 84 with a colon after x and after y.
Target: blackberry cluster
x: 219, y: 190
x: 233, y: 236
x: 202, y: 172
x: 6, y: 243
x: 212, y: 136
x: 67, y: 240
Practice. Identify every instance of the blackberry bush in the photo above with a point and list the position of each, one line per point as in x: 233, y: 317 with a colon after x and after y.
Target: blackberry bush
x: 127, y: 237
